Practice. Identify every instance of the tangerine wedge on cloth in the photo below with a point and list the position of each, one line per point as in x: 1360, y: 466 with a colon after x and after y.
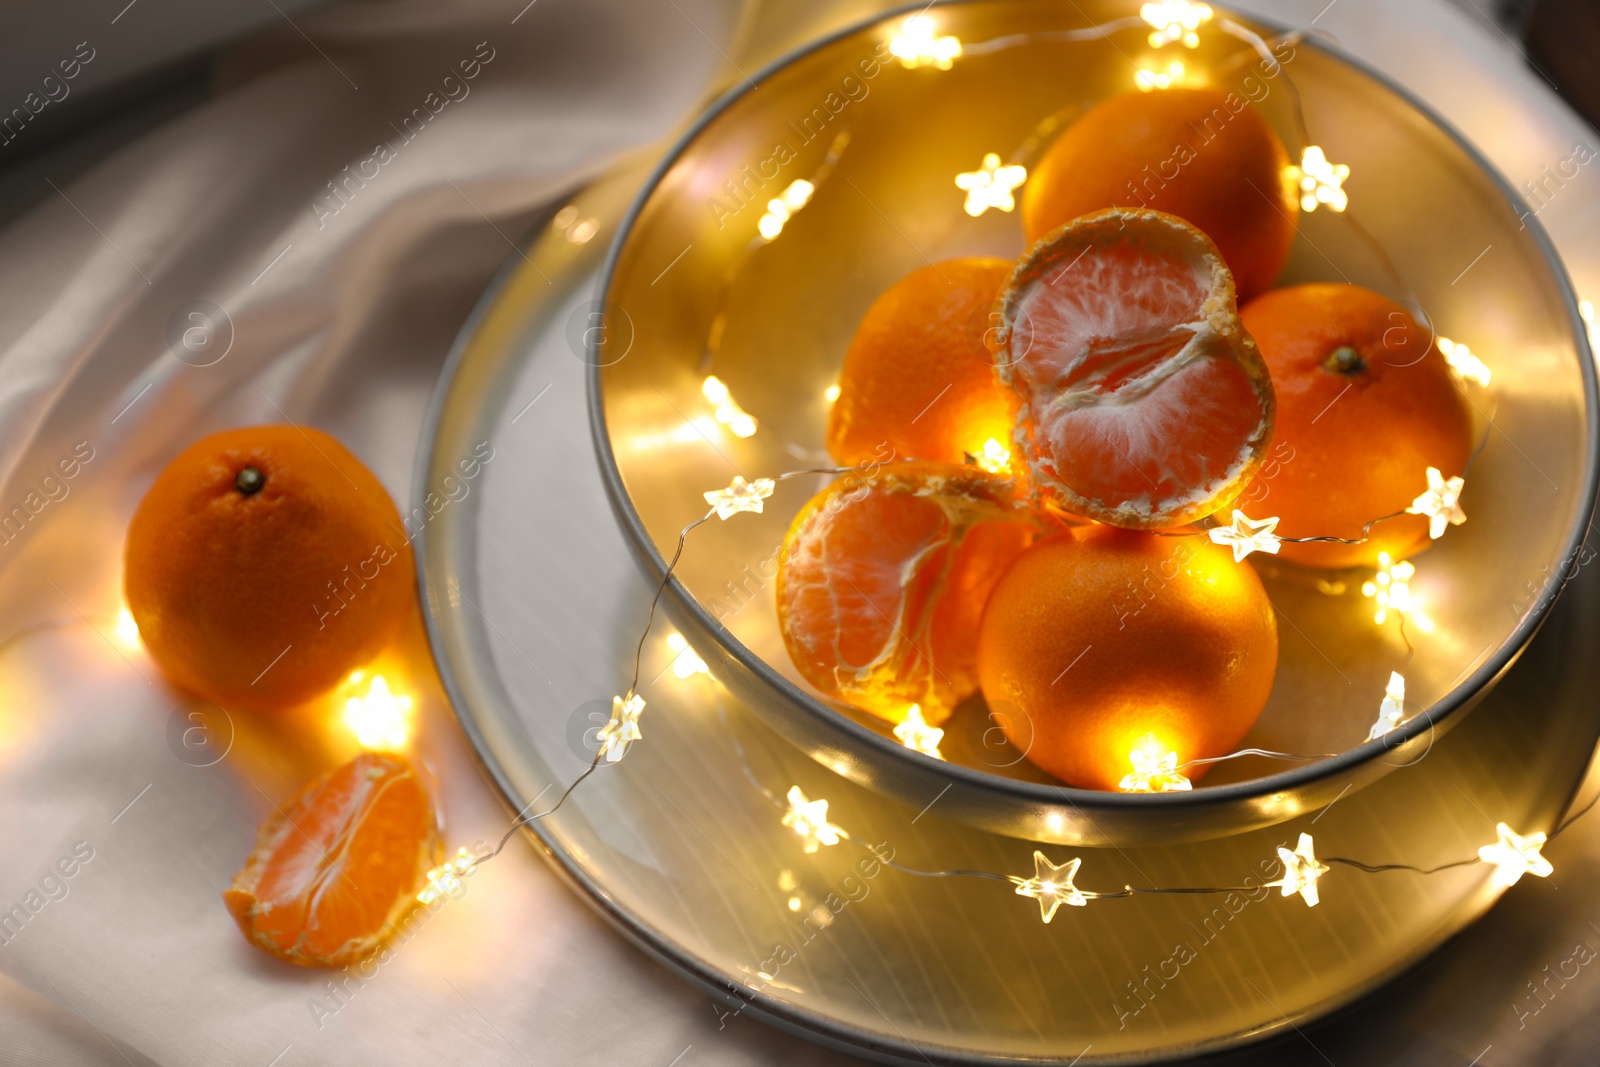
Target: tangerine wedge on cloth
x: 337, y: 868
x: 1099, y: 639
x: 917, y: 377
x: 1366, y: 405
x: 264, y: 565
x: 1202, y: 154
x: 1144, y: 403
x: 883, y: 578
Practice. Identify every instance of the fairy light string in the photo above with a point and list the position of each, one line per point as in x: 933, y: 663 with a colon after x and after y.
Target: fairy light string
x: 1152, y: 768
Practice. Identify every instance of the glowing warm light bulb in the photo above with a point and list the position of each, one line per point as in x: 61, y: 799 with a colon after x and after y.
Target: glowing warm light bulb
x: 781, y: 208
x: 1155, y: 769
x: 917, y: 735
x: 1391, y: 588
x: 995, y: 457
x: 831, y: 393
x: 917, y: 46
x: 688, y: 664
x: 1320, y: 182
x: 125, y: 631
x: 728, y: 411
x: 1245, y: 536
x: 1175, y: 20
x: 809, y: 820
x: 991, y: 185
x: 1393, y: 708
x: 1463, y: 364
x: 622, y: 729
x: 1052, y: 886
x: 380, y: 719
x: 740, y: 495
x: 1441, y: 502
x: 1301, y: 870
x: 1148, y: 78
x: 445, y: 879
x: 1514, y: 856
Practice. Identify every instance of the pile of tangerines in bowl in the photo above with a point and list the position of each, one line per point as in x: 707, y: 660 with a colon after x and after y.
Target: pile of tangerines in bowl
x: 1136, y: 372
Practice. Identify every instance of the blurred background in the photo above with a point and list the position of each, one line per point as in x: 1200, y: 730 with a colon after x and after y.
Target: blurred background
x: 169, y: 60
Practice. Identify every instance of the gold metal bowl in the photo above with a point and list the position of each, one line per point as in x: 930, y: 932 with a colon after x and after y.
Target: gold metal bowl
x: 692, y: 288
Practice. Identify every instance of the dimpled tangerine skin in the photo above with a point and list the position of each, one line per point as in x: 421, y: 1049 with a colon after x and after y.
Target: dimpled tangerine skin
x: 917, y: 381
x: 264, y: 600
x: 1353, y: 444
x: 1201, y: 154
x: 1096, y: 638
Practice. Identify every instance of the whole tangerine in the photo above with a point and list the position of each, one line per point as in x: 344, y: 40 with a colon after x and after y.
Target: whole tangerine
x: 917, y: 377
x: 264, y: 564
x: 1202, y: 154
x: 1099, y: 639
x: 1142, y: 402
x: 1366, y: 404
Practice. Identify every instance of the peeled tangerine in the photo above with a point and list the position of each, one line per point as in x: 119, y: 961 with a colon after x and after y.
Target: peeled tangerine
x: 1103, y: 641
x: 335, y: 871
x: 883, y: 578
x: 1144, y: 403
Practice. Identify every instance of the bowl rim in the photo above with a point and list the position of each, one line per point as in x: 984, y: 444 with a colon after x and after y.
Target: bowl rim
x: 1019, y: 791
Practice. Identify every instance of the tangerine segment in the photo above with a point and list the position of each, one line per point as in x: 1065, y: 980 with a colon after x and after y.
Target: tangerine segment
x: 1097, y: 639
x: 917, y: 377
x: 1202, y: 154
x: 1366, y: 405
x: 883, y: 578
x: 1143, y: 401
x: 333, y: 874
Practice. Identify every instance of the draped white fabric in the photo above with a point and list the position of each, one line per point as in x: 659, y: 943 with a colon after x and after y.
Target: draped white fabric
x: 335, y: 299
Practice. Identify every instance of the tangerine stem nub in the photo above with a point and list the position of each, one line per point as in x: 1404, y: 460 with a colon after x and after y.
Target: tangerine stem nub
x: 250, y: 481
x: 1345, y: 360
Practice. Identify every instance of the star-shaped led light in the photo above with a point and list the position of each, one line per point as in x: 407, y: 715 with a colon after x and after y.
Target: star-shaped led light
x: 1155, y: 769
x: 380, y: 719
x: 1514, y: 856
x: 1148, y: 78
x: 809, y: 819
x: 1441, y: 503
x: 725, y: 407
x: 995, y: 457
x: 1463, y: 364
x: 740, y: 496
x: 623, y: 729
x: 445, y: 879
x: 1301, y: 871
x: 1175, y: 20
x: 1393, y: 708
x: 917, y: 735
x: 1319, y: 182
x: 1391, y: 588
x: 781, y: 209
x: 991, y: 185
x: 688, y: 664
x: 916, y: 46
x: 1246, y: 535
x: 1052, y: 886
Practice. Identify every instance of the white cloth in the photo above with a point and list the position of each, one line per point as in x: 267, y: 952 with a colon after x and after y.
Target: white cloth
x: 340, y: 318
